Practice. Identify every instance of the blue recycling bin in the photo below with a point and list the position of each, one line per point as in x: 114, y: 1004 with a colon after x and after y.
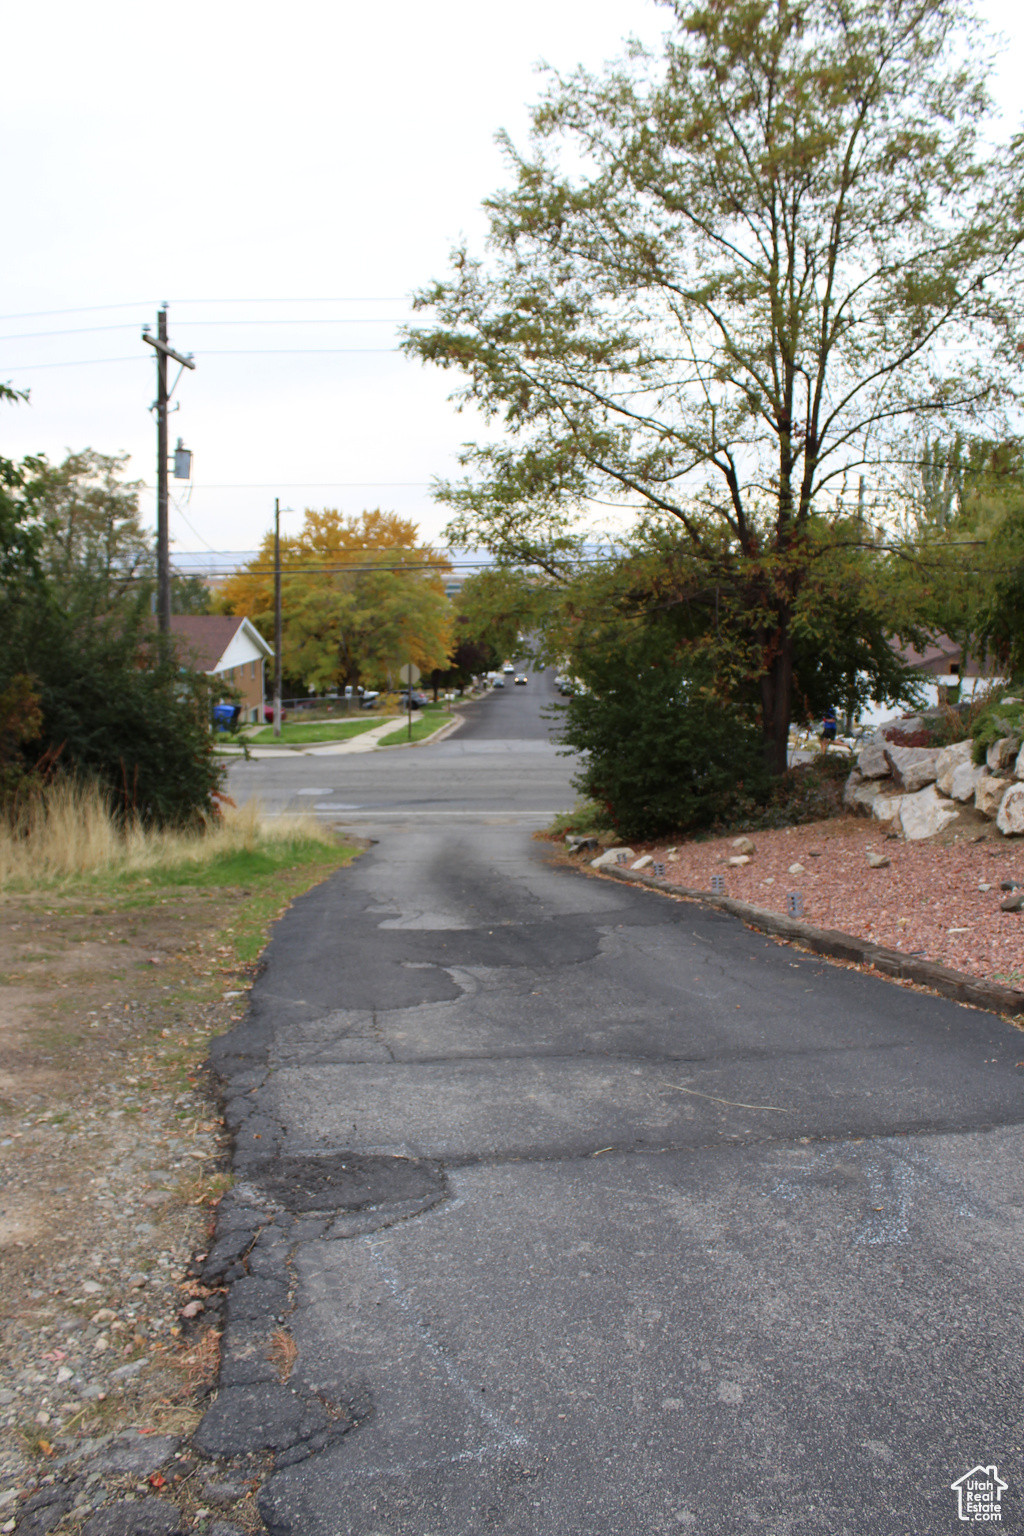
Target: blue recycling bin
x: 225, y: 716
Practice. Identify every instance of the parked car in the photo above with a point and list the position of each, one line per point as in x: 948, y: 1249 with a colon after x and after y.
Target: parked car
x: 368, y: 698
x: 508, y: 667
x: 497, y: 682
x: 521, y: 677
x: 412, y: 698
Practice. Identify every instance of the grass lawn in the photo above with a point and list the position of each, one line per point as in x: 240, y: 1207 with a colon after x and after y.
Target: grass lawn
x: 424, y: 724
x: 324, y: 730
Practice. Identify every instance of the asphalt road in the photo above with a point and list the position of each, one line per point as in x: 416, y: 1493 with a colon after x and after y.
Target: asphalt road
x: 593, y: 1213
x: 500, y: 762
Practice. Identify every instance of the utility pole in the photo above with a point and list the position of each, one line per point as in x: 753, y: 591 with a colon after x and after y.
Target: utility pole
x: 277, y: 616
x: 163, y: 395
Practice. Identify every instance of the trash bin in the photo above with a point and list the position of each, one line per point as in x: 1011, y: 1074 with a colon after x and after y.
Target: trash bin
x: 226, y: 716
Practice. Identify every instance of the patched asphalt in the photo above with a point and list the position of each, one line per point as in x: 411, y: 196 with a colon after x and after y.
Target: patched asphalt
x: 591, y: 1212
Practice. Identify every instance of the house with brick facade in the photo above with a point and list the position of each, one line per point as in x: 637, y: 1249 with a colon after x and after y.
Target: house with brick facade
x: 229, y: 648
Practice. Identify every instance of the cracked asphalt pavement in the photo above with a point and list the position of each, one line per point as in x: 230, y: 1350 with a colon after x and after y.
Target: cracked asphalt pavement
x: 591, y: 1212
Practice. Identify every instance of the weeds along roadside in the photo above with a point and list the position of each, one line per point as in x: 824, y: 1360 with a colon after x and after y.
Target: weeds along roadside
x: 119, y: 959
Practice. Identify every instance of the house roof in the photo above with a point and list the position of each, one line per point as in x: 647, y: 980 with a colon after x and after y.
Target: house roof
x: 204, y: 638
x: 940, y: 656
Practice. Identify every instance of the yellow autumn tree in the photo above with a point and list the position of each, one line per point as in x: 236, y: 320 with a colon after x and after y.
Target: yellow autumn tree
x: 360, y: 596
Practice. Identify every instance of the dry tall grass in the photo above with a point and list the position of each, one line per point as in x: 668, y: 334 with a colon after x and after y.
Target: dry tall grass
x: 69, y: 831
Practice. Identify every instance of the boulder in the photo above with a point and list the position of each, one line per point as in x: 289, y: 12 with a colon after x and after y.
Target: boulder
x: 908, y: 724
x: 738, y: 860
x: 914, y: 767
x: 949, y: 760
x: 885, y: 807
x: 1002, y: 753
x: 924, y: 814
x: 643, y: 862
x: 611, y: 856
x: 989, y: 794
x: 872, y: 762
x: 744, y: 845
x: 966, y: 780
x: 1010, y: 819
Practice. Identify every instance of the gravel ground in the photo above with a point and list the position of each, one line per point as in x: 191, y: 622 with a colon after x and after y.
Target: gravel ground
x: 112, y: 1152
x: 937, y: 901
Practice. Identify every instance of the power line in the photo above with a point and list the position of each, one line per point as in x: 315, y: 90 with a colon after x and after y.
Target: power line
x: 308, y: 485
x: 131, y: 325
x: 92, y: 362
x: 95, y: 309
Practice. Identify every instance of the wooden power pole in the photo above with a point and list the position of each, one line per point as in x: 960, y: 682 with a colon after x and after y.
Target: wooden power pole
x: 163, y: 543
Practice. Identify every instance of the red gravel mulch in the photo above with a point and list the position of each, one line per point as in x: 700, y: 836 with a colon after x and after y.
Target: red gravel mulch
x: 930, y: 901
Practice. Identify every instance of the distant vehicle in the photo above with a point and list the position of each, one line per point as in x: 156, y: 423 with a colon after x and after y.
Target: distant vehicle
x: 412, y: 698
x: 498, y: 682
x: 521, y: 677
x: 508, y: 667
x: 368, y: 698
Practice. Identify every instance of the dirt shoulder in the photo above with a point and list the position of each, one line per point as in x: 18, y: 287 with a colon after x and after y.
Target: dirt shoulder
x: 113, y: 1157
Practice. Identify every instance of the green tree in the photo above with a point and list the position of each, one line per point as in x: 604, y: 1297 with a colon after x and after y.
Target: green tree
x: 495, y: 607
x: 91, y: 543
x: 360, y: 597
x: 84, y: 688
x: 726, y: 278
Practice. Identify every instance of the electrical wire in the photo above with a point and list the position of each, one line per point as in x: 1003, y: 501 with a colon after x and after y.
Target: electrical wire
x: 131, y: 325
x: 92, y: 362
x: 95, y: 309
x: 307, y: 485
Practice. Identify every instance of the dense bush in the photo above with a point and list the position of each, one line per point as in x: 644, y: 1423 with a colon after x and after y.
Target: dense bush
x: 999, y: 716
x: 86, y: 691
x: 110, y: 708
x: 662, y: 755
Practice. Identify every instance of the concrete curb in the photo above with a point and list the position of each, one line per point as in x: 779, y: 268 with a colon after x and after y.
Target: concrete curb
x: 844, y: 946
x: 428, y: 741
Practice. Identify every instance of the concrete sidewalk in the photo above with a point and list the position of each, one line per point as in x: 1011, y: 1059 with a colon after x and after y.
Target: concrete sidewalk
x: 366, y: 741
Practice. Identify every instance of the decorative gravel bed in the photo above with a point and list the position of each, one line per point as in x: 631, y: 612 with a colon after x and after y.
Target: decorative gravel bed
x: 937, y: 901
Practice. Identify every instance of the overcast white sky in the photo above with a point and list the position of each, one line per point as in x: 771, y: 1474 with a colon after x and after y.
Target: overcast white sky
x: 284, y: 177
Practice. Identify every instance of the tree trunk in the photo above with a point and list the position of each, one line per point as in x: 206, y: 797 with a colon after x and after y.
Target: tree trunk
x: 777, y: 701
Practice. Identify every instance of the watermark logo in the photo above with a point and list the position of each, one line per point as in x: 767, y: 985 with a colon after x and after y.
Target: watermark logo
x: 979, y: 1495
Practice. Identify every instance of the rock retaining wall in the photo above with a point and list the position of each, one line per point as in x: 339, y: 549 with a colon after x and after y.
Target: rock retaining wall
x: 920, y: 789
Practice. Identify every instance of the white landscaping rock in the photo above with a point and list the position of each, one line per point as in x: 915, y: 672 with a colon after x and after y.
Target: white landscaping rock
x: 949, y: 760
x: 743, y: 845
x: 966, y: 780
x: 989, y: 794
x: 1018, y: 772
x: 797, y: 869
x: 924, y: 814
x: 1002, y: 752
x: 916, y: 766
x: 872, y: 762
x: 738, y: 860
x: 885, y: 807
x: 611, y: 856
x: 861, y: 795
x: 1010, y: 820
x: 877, y: 860
x: 643, y: 861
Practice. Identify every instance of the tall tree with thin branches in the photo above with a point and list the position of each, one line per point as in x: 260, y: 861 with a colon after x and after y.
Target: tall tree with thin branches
x: 727, y: 278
